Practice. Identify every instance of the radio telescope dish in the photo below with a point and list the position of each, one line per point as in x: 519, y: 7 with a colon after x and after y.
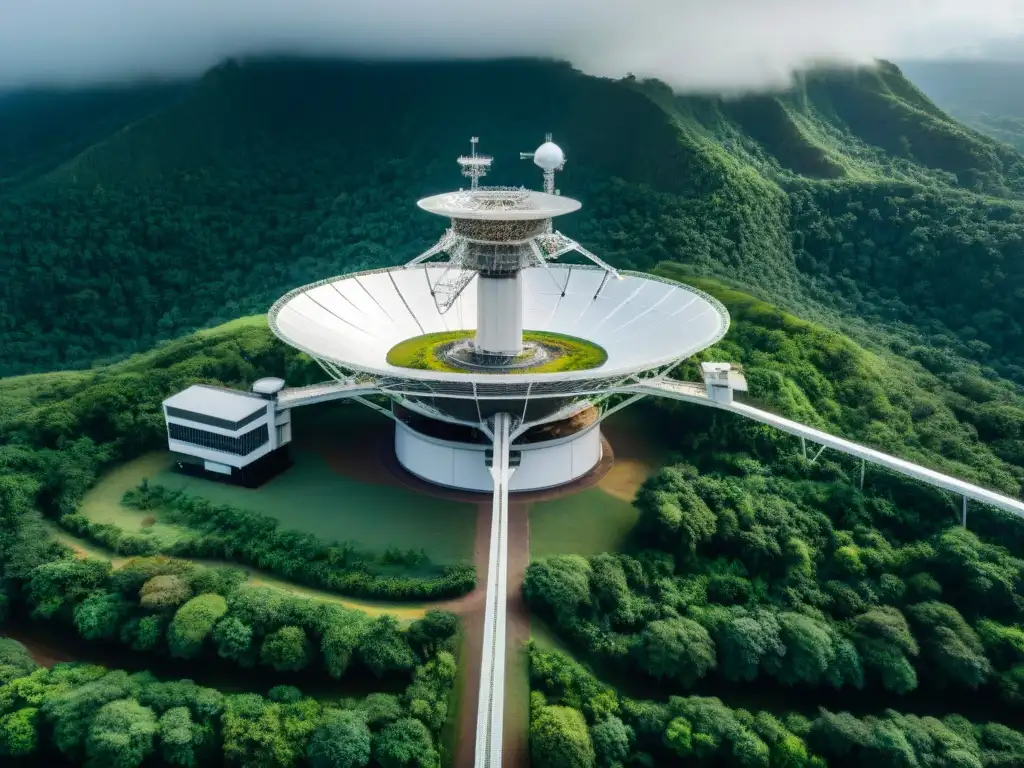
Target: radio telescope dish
x: 549, y: 156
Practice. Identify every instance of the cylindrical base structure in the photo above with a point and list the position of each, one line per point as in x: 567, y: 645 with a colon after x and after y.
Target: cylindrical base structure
x: 463, y: 465
x: 499, y: 314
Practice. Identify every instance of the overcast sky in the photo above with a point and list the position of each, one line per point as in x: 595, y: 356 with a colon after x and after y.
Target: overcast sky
x: 692, y: 44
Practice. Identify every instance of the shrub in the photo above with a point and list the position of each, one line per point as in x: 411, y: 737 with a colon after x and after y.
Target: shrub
x: 193, y: 623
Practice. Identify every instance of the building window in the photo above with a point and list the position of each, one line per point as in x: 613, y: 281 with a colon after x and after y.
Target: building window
x: 240, y: 446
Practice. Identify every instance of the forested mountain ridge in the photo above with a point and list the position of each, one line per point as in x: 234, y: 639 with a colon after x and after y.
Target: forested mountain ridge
x: 851, y: 192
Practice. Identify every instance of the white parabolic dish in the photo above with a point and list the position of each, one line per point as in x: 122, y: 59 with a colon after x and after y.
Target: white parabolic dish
x: 499, y: 204
x: 642, y: 322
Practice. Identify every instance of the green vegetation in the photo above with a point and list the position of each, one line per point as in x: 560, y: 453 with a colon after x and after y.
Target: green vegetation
x: 61, y: 432
x: 849, y: 196
x: 163, y: 605
x: 757, y: 596
x: 982, y: 94
x: 578, y: 721
x: 570, y: 353
x: 89, y: 715
x: 312, y: 497
x: 228, y: 533
x: 777, y: 586
x: 583, y: 523
x: 58, y: 433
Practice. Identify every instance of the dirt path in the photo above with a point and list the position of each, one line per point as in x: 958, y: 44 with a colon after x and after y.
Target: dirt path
x: 471, y: 609
x: 515, y: 737
x: 515, y: 747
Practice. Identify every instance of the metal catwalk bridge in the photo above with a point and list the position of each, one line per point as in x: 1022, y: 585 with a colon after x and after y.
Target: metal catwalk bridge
x: 491, y: 704
x: 697, y: 393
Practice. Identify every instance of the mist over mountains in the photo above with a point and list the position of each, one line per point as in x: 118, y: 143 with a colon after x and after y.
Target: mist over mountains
x: 693, y: 45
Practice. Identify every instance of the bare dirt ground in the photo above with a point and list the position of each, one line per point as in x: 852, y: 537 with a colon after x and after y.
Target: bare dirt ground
x: 635, y: 459
x: 515, y: 737
x: 470, y: 609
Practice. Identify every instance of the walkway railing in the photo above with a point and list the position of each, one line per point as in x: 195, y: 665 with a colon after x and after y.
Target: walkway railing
x: 696, y: 393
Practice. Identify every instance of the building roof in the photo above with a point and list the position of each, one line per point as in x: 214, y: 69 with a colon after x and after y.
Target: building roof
x: 228, y: 404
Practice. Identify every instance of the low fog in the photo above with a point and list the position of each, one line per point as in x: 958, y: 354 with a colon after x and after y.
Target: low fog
x: 725, y: 45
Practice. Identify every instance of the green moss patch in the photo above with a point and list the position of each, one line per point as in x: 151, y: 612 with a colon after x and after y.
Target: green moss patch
x: 570, y: 353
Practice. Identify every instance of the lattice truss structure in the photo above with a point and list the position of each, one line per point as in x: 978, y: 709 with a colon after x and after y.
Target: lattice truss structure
x: 470, y: 246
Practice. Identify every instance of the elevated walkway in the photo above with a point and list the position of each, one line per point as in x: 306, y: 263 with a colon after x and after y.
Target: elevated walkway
x: 491, y: 704
x: 697, y: 393
x: 293, y: 397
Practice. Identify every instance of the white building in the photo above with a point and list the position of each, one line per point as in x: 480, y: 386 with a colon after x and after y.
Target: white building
x: 230, y: 435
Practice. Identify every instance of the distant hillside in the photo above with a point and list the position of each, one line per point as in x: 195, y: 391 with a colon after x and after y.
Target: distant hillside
x: 984, y: 94
x: 852, y: 197
x: 40, y: 129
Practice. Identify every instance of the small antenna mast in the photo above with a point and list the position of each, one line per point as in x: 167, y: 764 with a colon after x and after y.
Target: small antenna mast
x: 475, y: 166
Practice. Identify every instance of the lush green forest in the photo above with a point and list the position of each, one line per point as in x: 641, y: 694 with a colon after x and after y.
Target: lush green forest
x: 770, y: 611
x: 752, y: 575
x: 765, y: 611
x: 58, y: 432
x: 851, y: 196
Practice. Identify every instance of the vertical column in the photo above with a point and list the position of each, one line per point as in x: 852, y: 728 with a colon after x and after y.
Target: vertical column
x: 499, y: 313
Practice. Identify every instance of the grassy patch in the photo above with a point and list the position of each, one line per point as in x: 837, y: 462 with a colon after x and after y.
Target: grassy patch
x: 423, y: 352
x: 313, y: 496
x: 585, y: 523
x: 404, y: 612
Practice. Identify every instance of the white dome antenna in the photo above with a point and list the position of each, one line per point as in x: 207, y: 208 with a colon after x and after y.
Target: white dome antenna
x: 549, y: 157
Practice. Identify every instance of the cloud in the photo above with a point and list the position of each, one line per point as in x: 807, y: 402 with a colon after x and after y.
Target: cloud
x: 691, y: 44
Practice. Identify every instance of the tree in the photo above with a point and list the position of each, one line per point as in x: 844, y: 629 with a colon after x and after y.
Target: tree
x: 121, y: 735
x: 405, y: 743
x: 193, y: 623
x: 254, y: 733
x: 342, y: 740
x: 673, y: 514
x: 99, y: 616
x: 883, y: 638
x: 952, y: 647
x: 164, y: 591
x: 559, y: 739
x: 183, y: 742
x: 71, y: 711
x: 285, y: 694
x: 676, y: 648
x: 559, y: 585
x: 611, y: 739
x: 679, y: 737
x: 233, y: 639
x: 15, y: 660
x: 286, y: 650
x: 130, y: 577
x: 143, y: 633
x: 19, y: 735
x: 339, y: 642
x: 205, y: 704
x: 62, y: 583
x: 381, y: 709
x: 383, y: 647
x: 428, y: 634
x: 808, y: 650
x: 745, y: 641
